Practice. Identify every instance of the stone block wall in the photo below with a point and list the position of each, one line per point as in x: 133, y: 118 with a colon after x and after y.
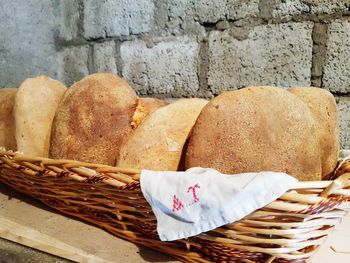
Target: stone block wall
x: 182, y: 48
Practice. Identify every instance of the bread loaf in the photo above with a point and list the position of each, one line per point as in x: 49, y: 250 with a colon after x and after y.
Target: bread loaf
x: 35, y: 106
x: 7, y: 120
x: 256, y: 129
x: 94, y: 117
x: 153, y: 104
x: 322, y: 104
x: 158, y: 143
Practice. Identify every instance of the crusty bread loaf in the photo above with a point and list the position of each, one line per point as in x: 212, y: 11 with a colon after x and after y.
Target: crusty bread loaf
x: 322, y: 104
x: 256, y: 129
x: 157, y: 144
x: 153, y: 104
x: 7, y: 120
x: 94, y: 117
x: 35, y: 106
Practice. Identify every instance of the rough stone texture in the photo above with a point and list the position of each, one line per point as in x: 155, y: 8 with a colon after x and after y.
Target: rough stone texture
x: 242, y: 8
x: 70, y: 18
x: 197, y: 10
x: 104, y: 57
x: 327, y: 6
x: 336, y: 75
x: 208, y: 11
x: 174, y: 17
x: 27, y: 42
x: 343, y: 106
x: 117, y: 17
x: 289, y: 8
x: 270, y: 55
x: 74, y: 64
x: 169, y: 67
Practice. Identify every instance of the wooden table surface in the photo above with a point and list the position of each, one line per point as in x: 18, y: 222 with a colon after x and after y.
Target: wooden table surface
x: 35, y: 219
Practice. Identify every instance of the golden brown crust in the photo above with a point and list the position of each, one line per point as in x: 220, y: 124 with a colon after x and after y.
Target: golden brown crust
x: 322, y: 104
x: 153, y: 104
x: 157, y: 144
x: 256, y: 129
x: 93, y: 118
x: 7, y: 120
x: 140, y: 114
x: 35, y: 106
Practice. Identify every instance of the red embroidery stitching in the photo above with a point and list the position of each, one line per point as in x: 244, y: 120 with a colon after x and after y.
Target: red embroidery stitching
x: 193, y: 188
x: 177, y: 204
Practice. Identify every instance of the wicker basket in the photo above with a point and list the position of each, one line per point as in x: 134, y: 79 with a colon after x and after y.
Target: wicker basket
x: 290, y: 229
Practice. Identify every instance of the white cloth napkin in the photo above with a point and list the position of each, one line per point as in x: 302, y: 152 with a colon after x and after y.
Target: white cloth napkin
x: 201, y: 199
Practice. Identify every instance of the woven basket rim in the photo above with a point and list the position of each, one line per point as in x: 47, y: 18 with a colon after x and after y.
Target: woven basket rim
x: 103, y: 168
x: 315, y: 207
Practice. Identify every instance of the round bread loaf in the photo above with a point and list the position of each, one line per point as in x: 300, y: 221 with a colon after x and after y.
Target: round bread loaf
x: 7, y: 120
x: 322, y: 104
x: 158, y: 143
x: 35, y: 106
x: 153, y: 104
x: 256, y: 129
x: 94, y: 117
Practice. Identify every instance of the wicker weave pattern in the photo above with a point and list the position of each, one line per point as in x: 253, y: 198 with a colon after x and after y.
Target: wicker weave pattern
x: 289, y: 229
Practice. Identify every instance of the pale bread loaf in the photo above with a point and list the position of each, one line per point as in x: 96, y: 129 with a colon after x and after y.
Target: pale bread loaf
x: 35, y: 106
x: 158, y: 143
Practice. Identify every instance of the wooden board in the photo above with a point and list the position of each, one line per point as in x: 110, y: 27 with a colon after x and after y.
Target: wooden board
x: 32, y: 238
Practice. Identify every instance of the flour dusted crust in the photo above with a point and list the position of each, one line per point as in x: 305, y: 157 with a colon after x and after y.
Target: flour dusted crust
x: 7, y: 120
x: 35, y: 106
x: 158, y: 143
x: 256, y: 129
x: 94, y: 117
x: 322, y: 104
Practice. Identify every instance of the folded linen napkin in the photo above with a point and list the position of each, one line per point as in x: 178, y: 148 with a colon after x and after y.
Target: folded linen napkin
x: 201, y: 199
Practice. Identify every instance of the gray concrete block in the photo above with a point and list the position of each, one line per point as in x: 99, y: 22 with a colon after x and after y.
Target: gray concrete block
x: 269, y: 55
x: 74, y: 64
x: 117, y: 17
x: 343, y: 107
x: 336, y: 76
x: 27, y: 42
x: 169, y: 67
x: 70, y: 19
x: 328, y: 7
x: 176, y: 17
x: 191, y: 15
x: 195, y: 10
x: 209, y: 11
x: 289, y: 8
x: 239, y: 9
x: 103, y: 58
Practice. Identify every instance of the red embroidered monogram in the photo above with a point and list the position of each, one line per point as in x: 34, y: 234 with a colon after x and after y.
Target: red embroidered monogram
x: 193, y: 188
x: 178, y: 205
